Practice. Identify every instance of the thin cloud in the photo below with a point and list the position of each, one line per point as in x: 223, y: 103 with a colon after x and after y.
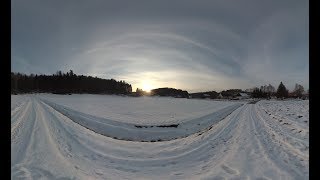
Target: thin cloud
x: 192, y: 45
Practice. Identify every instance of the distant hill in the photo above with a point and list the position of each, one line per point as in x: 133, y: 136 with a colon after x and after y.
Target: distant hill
x: 203, y: 95
x: 169, y: 92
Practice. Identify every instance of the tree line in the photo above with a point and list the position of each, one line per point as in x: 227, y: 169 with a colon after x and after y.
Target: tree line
x: 266, y: 91
x: 64, y: 83
x: 282, y: 91
x: 67, y: 83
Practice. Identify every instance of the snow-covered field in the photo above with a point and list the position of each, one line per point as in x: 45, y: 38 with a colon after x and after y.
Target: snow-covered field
x: 112, y: 137
x: 142, y: 110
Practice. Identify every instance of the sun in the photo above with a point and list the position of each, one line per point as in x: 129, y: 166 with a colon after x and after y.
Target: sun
x: 146, y: 87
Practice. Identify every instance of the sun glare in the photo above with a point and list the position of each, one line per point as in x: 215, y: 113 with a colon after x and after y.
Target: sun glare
x: 146, y: 87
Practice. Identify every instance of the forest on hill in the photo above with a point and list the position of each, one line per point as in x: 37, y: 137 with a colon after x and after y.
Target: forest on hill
x: 64, y: 83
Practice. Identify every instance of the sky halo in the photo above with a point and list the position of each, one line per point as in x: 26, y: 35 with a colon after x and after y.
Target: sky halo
x: 191, y: 45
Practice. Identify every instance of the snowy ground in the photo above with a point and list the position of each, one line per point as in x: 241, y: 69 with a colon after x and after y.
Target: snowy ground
x: 99, y: 137
x: 139, y: 110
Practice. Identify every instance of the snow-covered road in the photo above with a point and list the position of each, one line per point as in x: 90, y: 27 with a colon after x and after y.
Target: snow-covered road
x: 250, y: 141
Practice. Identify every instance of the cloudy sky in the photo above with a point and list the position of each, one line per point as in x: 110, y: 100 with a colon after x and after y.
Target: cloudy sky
x: 193, y: 45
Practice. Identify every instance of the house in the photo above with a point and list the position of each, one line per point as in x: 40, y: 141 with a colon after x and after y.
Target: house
x: 240, y: 96
x: 243, y: 96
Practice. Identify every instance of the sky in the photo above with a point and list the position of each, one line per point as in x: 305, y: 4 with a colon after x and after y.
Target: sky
x: 192, y: 45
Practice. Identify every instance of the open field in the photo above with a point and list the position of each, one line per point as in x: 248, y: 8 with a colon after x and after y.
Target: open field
x: 112, y: 137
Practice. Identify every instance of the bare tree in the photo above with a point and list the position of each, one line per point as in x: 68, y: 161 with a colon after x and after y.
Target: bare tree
x: 298, y: 90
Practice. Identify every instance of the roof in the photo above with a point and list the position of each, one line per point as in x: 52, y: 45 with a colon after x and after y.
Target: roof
x: 243, y: 94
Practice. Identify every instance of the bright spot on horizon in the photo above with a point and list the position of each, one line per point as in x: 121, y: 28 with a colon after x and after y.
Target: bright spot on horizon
x: 189, y: 45
x: 146, y: 87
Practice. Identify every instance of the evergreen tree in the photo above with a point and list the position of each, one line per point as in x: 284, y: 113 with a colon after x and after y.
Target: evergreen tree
x: 282, y: 91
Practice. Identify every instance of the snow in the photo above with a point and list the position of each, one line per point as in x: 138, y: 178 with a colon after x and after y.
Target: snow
x: 139, y: 110
x: 58, y: 136
x: 17, y: 100
x: 244, y: 95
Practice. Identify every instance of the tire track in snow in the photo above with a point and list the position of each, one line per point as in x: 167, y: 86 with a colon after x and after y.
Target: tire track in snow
x: 262, y: 148
x: 232, y: 130
x: 285, y: 137
x: 286, y: 125
x: 230, y: 170
x: 17, y: 109
x: 199, y: 154
x: 254, y: 155
x: 239, y: 162
x: 21, y: 133
x: 35, y: 155
x: 83, y: 129
x: 19, y: 112
x: 283, y: 155
x: 59, y: 147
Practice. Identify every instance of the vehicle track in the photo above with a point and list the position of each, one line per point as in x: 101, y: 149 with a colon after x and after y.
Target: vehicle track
x: 48, y: 144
